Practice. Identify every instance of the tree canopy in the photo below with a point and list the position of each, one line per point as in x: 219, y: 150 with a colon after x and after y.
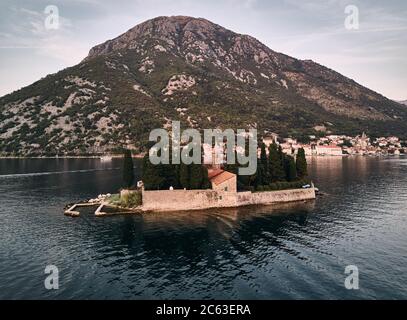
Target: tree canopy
x: 301, y: 164
x: 128, y: 170
x: 164, y: 177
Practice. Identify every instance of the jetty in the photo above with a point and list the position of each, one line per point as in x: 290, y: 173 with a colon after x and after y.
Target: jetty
x: 71, y: 212
x: 101, y: 203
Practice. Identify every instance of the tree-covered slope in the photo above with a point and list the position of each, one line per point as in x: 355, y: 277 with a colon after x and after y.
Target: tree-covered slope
x: 187, y: 69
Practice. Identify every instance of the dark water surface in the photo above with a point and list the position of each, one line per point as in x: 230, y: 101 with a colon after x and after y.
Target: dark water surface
x: 297, y: 251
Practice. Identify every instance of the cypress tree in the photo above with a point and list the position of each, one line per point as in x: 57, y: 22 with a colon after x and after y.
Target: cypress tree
x: 128, y: 170
x: 246, y: 182
x: 242, y: 182
x: 282, y: 157
x: 169, y: 173
x: 164, y: 176
x: 259, y: 176
x: 281, y: 154
x: 263, y: 155
x: 264, y: 165
x: 233, y: 168
x: 301, y: 164
x: 290, y: 168
x: 275, y: 164
x: 195, y: 177
x: 145, y: 172
x: 152, y: 175
x: 206, y: 184
x: 184, y: 176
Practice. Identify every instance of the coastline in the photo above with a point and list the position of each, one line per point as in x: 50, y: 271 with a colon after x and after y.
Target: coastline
x: 195, y: 200
x: 136, y: 156
x: 140, y: 156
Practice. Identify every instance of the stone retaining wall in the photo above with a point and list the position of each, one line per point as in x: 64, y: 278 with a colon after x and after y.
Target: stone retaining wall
x: 182, y: 200
x: 267, y: 198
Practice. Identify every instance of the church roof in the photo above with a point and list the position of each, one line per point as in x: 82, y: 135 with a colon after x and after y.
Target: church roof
x: 214, y: 172
x: 219, y: 176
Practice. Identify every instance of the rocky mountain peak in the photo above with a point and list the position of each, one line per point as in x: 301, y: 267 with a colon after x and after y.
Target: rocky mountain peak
x: 168, y: 31
x: 191, y: 70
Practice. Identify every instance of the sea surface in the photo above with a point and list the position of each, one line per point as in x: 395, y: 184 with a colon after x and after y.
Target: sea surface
x: 295, y: 251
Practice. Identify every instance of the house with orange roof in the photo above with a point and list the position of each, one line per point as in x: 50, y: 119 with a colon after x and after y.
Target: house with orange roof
x: 222, y: 180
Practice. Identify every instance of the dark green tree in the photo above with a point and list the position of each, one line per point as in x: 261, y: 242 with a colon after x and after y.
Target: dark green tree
x: 128, y: 170
x: 247, y: 182
x: 275, y: 164
x: 281, y: 154
x: 290, y: 168
x: 243, y: 182
x: 264, y: 165
x: 263, y: 154
x: 152, y: 178
x: 301, y: 164
x: 258, y: 179
x: 206, y: 184
x: 195, y: 177
x: 184, y: 176
x: 170, y: 174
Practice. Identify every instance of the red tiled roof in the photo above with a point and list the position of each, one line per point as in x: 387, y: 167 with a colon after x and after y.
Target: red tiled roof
x: 214, y: 172
x: 221, y: 177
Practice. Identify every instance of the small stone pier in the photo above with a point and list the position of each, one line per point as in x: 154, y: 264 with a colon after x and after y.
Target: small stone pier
x: 71, y: 211
x: 101, y: 204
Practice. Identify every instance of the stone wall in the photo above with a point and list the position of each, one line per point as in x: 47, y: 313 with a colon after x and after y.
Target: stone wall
x: 267, y: 198
x: 182, y: 200
x: 179, y: 200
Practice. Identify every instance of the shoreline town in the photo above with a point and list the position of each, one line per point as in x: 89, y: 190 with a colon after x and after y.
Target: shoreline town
x: 329, y: 145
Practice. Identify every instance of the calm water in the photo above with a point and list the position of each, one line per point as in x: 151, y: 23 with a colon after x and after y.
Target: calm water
x: 298, y: 251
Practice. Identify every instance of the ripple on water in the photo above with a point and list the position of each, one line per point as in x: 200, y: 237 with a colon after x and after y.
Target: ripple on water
x: 292, y: 251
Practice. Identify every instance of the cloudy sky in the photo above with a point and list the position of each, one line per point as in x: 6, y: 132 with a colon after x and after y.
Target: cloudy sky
x: 373, y: 55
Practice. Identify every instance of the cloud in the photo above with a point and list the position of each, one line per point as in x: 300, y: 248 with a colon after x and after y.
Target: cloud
x: 30, y: 33
x: 312, y: 29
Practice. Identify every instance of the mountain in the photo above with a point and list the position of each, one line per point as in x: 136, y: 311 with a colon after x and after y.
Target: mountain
x: 192, y: 70
x: 403, y: 102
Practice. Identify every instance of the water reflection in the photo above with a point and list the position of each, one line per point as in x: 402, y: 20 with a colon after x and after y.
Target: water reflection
x: 296, y: 250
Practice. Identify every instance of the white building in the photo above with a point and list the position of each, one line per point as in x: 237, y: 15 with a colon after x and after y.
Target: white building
x: 328, y: 150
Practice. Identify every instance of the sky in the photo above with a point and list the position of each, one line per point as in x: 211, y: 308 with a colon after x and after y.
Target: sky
x: 373, y: 51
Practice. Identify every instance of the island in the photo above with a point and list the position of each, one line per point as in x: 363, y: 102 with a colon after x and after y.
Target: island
x: 280, y: 178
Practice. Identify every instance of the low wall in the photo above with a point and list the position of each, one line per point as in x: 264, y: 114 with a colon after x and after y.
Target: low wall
x: 179, y: 200
x: 267, y: 198
x: 182, y: 200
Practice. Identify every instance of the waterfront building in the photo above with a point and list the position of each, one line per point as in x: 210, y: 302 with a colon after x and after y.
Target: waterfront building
x: 222, y: 181
x: 328, y: 150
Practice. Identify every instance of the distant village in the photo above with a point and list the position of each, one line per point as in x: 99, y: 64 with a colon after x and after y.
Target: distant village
x: 330, y: 145
x: 340, y: 145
